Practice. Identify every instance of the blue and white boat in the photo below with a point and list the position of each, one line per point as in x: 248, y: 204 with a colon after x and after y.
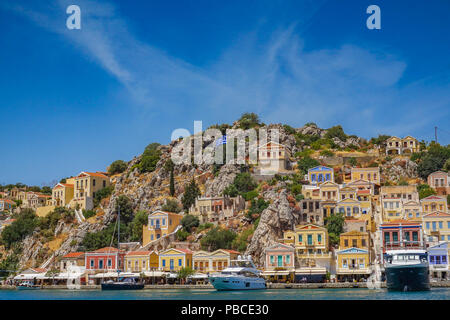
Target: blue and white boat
x: 240, y: 275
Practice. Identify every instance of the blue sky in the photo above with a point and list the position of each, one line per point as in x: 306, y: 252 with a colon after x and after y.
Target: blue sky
x: 74, y: 100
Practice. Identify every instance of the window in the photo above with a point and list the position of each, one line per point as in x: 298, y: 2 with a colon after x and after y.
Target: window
x: 92, y: 263
x: 309, y: 239
x: 151, y: 237
x: 180, y: 262
x: 434, y: 225
x: 100, y: 264
x: 354, y: 243
x: 313, y: 177
x: 163, y: 221
x: 428, y: 225
x: 386, y: 237
x: 288, y: 259
x: 280, y: 261
x: 363, y: 242
x: 104, y: 184
x: 93, y: 182
x: 109, y: 262
x: 344, y: 263
x: 271, y: 260
x: 395, y: 236
x: 300, y: 238
x: 164, y: 262
x: 328, y: 177
x: 319, y: 238
x: 362, y: 263
x: 440, y: 225
x: 346, y: 243
x: 415, y: 236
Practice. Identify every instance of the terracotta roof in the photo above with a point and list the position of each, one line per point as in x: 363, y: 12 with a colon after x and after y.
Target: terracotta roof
x: 106, y: 250
x: 363, y: 191
x: 39, y: 270
x: 138, y: 253
x: 7, y: 201
x: 60, y: 185
x: 232, y: 251
x: 93, y: 174
x: 74, y: 255
x: 437, y: 214
x: 182, y: 250
x: 433, y: 197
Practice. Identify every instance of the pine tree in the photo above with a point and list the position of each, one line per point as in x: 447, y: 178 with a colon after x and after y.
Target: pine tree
x: 169, y: 166
x: 191, y: 192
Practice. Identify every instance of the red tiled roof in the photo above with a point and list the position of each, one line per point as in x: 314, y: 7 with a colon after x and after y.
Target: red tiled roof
x: 183, y: 250
x: 74, y: 255
x: 231, y: 251
x: 363, y: 191
x: 60, y: 185
x: 93, y: 174
x: 434, y: 198
x: 106, y: 250
x: 39, y: 270
x: 138, y: 253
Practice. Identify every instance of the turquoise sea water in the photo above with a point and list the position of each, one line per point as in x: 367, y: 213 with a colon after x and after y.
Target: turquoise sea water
x: 211, y: 294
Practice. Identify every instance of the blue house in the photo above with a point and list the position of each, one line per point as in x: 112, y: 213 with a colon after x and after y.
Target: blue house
x: 320, y: 174
x: 438, y: 259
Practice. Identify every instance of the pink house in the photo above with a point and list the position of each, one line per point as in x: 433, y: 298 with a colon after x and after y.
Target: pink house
x: 279, y: 256
x: 440, y: 181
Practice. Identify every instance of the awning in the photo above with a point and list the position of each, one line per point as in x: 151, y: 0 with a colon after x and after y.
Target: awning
x: 31, y: 276
x: 172, y: 275
x: 154, y: 273
x: 104, y: 275
x: 198, y: 276
x: 70, y: 275
x: 311, y: 271
x: 354, y: 271
x: 276, y: 273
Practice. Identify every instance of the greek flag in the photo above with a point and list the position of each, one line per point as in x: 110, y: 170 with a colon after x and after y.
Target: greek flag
x: 221, y: 141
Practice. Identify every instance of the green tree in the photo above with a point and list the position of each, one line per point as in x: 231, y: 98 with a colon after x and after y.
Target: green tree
x: 117, y: 166
x: 242, y: 240
x: 182, y: 235
x: 217, y: 238
x: 171, y: 206
x: 139, y: 220
x: 169, y: 166
x: 380, y: 140
x: 248, y: 120
x: 433, y: 160
x: 425, y: 190
x: 335, y: 226
x: 150, y: 158
x: 231, y: 191
x: 244, y: 182
x: 352, y: 161
x: 24, y: 225
x: 102, y: 194
x: 46, y: 190
x: 185, y: 272
x: 336, y: 132
x: 126, y: 208
x: 191, y: 192
x: 189, y: 221
x: 306, y: 163
x: 257, y: 206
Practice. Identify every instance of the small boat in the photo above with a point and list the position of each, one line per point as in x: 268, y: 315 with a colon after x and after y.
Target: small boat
x: 122, y: 284
x: 407, y: 270
x: 240, y: 275
x: 27, y: 285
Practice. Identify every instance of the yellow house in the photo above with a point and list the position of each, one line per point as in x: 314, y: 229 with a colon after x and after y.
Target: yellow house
x: 86, y: 184
x: 320, y: 174
x: 273, y: 157
x: 407, y: 145
x: 353, y: 259
x: 412, y: 210
x: 368, y: 174
x: 347, y: 193
x: 433, y: 203
x: 311, y: 247
x: 213, y: 261
x: 160, y: 224
x: 436, y: 226
x: 174, y: 259
x: 354, y: 239
x: 140, y: 261
x: 311, y: 192
x: 349, y: 207
x: 62, y: 194
x: 329, y: 191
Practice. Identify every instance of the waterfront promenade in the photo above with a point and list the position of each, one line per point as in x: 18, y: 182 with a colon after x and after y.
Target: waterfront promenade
x: 339, y: 285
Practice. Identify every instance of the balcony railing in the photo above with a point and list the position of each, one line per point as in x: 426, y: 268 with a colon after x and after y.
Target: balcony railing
x: 405, y: 244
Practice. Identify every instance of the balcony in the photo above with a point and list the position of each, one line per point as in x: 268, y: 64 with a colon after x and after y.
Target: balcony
x: 393, y: 245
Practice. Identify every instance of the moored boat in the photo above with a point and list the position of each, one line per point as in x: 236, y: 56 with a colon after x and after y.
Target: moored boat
x: 407, y: 270
x: 27, y: 285
x: 240, y: 275
x: 122, y: 284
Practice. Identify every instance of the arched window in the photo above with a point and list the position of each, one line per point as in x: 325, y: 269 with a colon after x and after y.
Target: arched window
x: 349, y: 211
x: 355, y: 210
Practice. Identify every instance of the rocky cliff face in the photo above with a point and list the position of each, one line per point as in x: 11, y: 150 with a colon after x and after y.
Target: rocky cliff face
x: 281, y: 215
x: 399, y: 169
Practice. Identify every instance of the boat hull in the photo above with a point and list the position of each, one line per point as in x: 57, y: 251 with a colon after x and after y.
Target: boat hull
x: 122, y: 286
x: 237, y: 283
x: 407, y: 278
x: 28, y: 288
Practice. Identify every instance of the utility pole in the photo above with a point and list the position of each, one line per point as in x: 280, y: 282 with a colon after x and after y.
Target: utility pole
x: 435, y: 134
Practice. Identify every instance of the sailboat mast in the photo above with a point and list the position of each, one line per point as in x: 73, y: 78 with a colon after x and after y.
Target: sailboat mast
x: 118, y: 229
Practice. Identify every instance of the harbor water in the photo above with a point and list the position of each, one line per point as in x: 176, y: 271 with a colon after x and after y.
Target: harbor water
x: 211, y: 294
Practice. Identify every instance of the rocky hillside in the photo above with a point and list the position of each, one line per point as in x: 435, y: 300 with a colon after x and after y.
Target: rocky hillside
x: 149, y: 191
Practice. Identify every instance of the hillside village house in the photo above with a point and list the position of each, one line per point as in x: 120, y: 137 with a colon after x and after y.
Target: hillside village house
x: 440, y: 182
x: 400, y: 234
x: 273, y: 158
x: 72, y: 259
x: 108, y: 258
x: 320, y: 174
x: 353, y: 224
x: 6, y: 205
x: 32, y: 199
x: 213, y: 209
x: 311, y: 247
x: 412, y: 210
x: 436, y: 226
x: 209, y: 262
x: 407, y: 145
x: 392, y: 199
x: 311, y: 192
x: 279, y: 263
x: 347, y: 193
x: 362, y: 185
x: 174, y: 259
x: 371, y: 175
x: 433, y: 203
x: 62, y: 194
x: 353, y: 258
x: 160, y: 224
x: 438, y: 260
x: 329, y: 191
x: 86, y: 185
x: 141, y: 261
x: 311, y: 211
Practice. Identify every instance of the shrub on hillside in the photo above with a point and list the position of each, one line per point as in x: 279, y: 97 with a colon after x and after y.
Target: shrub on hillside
x: 117, y: 166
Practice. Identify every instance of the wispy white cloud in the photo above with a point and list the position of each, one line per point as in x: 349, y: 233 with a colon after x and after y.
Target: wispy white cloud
x: 277, y: 77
